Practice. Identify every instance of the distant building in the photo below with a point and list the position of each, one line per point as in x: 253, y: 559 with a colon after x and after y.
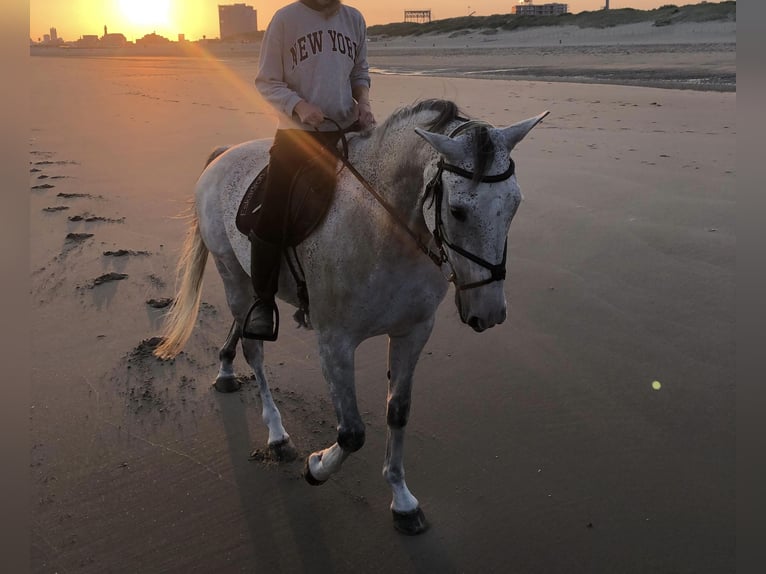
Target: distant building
x: 419, y: 16
x: 181, y: 38
x: 236, y: 20
x: 88, y: 41
x: 114, y: 40
x: 527, y: 8
x: 52, y: 39
x: 152, y: 40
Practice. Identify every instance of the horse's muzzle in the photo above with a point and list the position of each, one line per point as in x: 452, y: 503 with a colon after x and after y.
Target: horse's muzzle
x: 479, y: 325
x: 480, y: 322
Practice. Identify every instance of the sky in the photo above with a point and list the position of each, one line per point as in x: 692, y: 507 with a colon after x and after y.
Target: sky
x: 199, y: 18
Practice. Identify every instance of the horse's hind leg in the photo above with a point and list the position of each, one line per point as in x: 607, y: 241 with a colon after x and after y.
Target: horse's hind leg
x: 403, y: 354
x: 238, y: 295
x: 226, y: 381
x: 280, y: 444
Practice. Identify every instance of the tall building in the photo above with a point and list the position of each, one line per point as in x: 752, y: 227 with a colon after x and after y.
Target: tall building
x: 236, y: 19
x: 527, y: 8
x: 54, y: 35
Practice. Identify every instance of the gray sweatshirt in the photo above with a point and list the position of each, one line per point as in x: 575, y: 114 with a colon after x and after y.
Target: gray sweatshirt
x: 305, y: 56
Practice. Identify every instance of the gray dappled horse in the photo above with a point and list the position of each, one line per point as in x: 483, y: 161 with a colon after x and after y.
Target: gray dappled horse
x: 433, y: 204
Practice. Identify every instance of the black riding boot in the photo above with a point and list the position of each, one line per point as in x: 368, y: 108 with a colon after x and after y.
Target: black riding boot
x: 262, y: 320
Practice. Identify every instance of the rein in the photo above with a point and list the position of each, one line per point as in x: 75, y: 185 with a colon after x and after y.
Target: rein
x: 435, y: 186
x: 437, y: 258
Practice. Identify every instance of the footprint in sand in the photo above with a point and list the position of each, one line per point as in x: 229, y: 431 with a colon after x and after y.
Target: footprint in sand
x: 106, y: 278
x: 78, y: 237
x: 76, y: 195
x: 160, y: 303
x: 55, y: 208
x: 124, y: 253
x: 94, y: 218
x: 59, y: 162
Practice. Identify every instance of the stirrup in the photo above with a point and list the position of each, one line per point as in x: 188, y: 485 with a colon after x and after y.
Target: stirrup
x: 249, y: 335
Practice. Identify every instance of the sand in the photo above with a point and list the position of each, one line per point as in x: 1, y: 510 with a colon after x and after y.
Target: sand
x: 541, y: 445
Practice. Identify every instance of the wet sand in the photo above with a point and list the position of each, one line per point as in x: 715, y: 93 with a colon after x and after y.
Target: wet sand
x: 539, y: 446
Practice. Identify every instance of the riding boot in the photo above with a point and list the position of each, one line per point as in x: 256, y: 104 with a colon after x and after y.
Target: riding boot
x: 262, y: 320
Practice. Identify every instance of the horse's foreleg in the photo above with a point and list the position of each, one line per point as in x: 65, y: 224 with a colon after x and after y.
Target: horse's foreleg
x: 238, y: 296
x: 337, y: 359
x: 403, y: 354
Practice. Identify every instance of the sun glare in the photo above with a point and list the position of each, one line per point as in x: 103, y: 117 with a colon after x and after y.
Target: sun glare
x: 146, y: 12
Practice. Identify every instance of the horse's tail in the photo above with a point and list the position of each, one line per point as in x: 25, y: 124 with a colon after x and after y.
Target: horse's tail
x: 180, y: 320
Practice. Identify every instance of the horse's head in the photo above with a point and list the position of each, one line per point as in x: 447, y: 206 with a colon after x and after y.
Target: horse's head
x: 471, y: 197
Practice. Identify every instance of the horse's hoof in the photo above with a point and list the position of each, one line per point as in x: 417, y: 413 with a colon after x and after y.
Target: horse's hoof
x: 410, y: 523
x: 228, y: 384
x: 310, y: 477
x: 283, y: 451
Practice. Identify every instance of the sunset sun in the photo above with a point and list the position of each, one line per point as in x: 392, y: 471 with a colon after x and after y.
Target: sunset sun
x: 146, y: 12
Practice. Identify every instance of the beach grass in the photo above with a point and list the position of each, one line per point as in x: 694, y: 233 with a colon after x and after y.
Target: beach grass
x: 665, y: 15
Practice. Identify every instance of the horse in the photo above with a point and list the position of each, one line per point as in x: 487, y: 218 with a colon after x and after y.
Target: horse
x: 422, y: 200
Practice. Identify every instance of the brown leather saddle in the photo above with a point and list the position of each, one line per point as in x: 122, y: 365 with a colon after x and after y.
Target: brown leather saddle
x: 310, y: 195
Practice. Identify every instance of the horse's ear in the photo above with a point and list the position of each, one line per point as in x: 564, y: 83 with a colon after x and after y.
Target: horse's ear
x: 515, y: 133
x: 449, y: 148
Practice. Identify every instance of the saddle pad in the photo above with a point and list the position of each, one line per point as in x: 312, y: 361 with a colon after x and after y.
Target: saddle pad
x: 310, y: 195
x: 247, y: 207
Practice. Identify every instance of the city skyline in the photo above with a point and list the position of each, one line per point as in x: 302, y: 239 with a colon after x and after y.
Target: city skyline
x: 199, y: 18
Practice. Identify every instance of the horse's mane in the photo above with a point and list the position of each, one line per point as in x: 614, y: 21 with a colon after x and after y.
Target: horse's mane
x: 445, y: 112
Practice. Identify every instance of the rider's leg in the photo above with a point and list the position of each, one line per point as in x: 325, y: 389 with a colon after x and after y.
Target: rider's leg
x: 265, y: 241
x: 264, y: 271
x: 290, y: 151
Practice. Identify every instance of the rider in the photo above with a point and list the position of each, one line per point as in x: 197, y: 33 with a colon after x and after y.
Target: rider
x: 313, y: 66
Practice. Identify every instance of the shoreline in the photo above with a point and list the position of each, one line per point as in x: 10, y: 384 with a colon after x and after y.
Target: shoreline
x: 692, y: 56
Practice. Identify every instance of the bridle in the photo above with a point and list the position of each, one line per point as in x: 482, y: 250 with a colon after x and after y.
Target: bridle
x: 435, y: 188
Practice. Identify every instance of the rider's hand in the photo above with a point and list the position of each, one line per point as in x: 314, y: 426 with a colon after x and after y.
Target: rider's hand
x: 364, y: 115
x: 309, y: 113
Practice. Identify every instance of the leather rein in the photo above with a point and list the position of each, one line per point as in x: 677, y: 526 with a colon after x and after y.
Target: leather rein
x: 436, y: 187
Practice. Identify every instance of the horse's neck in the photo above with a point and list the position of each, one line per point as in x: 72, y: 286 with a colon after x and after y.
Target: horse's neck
x: 393, y: 165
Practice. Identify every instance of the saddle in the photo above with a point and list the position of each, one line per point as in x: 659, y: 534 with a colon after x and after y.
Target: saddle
x: 310, y: 194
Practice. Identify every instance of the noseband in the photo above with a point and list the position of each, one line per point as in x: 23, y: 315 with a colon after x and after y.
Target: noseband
x: 436, y: 187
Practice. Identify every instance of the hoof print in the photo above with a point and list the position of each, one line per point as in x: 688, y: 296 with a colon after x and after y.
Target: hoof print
x: 160, y: 303
x: 76, y: 237
x: 106, y: 278
x: 124, y: 252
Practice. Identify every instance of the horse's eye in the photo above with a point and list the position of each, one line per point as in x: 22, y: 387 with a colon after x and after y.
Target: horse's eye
x: 457, y: 213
